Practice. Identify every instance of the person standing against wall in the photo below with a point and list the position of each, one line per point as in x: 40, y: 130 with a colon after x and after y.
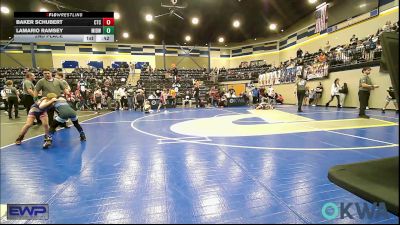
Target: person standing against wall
x: 318, y: 93
x: 343, y: 91
x: 300, y: 91
x: 365, y: 87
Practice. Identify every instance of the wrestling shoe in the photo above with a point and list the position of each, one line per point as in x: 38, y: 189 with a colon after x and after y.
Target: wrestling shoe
x: 47, y: 142
x: 83, y: 137
x: 19, y: 140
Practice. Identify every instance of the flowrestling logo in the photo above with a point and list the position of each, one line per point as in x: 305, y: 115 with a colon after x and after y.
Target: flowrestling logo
x: 27, y: 211
x: 354, y: 210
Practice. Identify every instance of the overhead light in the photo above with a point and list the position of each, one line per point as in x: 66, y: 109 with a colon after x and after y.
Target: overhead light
x: 312, y: 1
x: 125, y: 35
x: 195, y: 20
x: 184, y: 43
x: 272, y: 26
x: 221, y: 40
x: 236, y: 23
x: 43, y: 10
x: 255, y: 39
x: 363, y: 5
x: 5, y: 10
x: 149, y: 17
x: 282, y: 30
x: 117, y: 15
x: 206, y: 44
x: 188, y: 38
x: 226, y: 45
x: 151, y: 36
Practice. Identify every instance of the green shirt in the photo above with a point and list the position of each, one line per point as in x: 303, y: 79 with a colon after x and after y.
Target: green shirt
x: 301, y: 85
x: 27, y: 84
x: 65, y: 83
x: 365, y: 80
x: 10, y: 91
x: 55, y: 86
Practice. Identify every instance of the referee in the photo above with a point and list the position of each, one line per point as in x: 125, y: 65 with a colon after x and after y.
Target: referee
x: 365, y: 88
x: 48, y: 84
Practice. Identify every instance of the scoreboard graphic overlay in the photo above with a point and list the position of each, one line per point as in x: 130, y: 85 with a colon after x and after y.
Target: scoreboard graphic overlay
x: 64, y: 26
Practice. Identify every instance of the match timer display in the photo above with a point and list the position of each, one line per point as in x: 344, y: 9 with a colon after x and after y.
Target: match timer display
x: 64, y: 26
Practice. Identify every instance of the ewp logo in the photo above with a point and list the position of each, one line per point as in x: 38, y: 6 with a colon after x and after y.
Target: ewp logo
x: 27, y: 212
x: 332, y: 211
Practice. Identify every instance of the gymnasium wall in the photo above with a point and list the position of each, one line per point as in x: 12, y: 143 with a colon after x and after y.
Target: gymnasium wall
x: 361, y: 30
x: 351, y: 77
x: 42, y: 60
x: 184, y: 62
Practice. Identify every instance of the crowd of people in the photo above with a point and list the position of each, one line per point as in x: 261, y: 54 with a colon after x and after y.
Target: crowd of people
x: 97, y: 88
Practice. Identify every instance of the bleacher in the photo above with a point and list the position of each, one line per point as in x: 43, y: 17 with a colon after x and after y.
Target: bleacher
x: 163, y: 79
x: 245, y: 73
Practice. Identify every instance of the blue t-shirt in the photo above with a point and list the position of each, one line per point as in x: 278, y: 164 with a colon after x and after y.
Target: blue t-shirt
x: 256, y: 92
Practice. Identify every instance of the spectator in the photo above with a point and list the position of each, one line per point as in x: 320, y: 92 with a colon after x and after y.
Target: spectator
x: 98, y: 96
x: 255, y: 94
x: 311, y: 96
x: 139, y: 99
x: 391, y: 98
x: 187, y: 99
x: 13, y: 99
x: 196, y: 95
x: 334, y: 93
x: 318, y: 93
x: 131, y: 97
x: 322, y: 57
x: 4, y: 99
x: 327, y: 47
x: 353, y: 40
x: 271, y: 95
x: 387, y: 27
x: 117, y: 98
x: 299, y: 53
x: 306, y: 96
x: 343, y: 91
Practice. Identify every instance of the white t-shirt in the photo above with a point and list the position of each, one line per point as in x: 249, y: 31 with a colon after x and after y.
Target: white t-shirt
x: 335, y: 90
x: 122, y: 92
x: 117, y: 95
x: 271, y: 91
x: 3, y: 94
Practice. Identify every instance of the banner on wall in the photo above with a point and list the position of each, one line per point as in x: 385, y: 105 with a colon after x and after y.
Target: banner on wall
x: 321, y: 18
x: 141, y: 65
x: 289, y: 74
x: 316, y: 71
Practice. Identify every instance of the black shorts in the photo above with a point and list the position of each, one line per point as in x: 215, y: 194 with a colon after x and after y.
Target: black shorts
x: 98, y: 100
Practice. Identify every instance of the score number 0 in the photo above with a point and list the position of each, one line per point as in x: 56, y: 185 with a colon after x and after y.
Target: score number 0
x: 108, y: 21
